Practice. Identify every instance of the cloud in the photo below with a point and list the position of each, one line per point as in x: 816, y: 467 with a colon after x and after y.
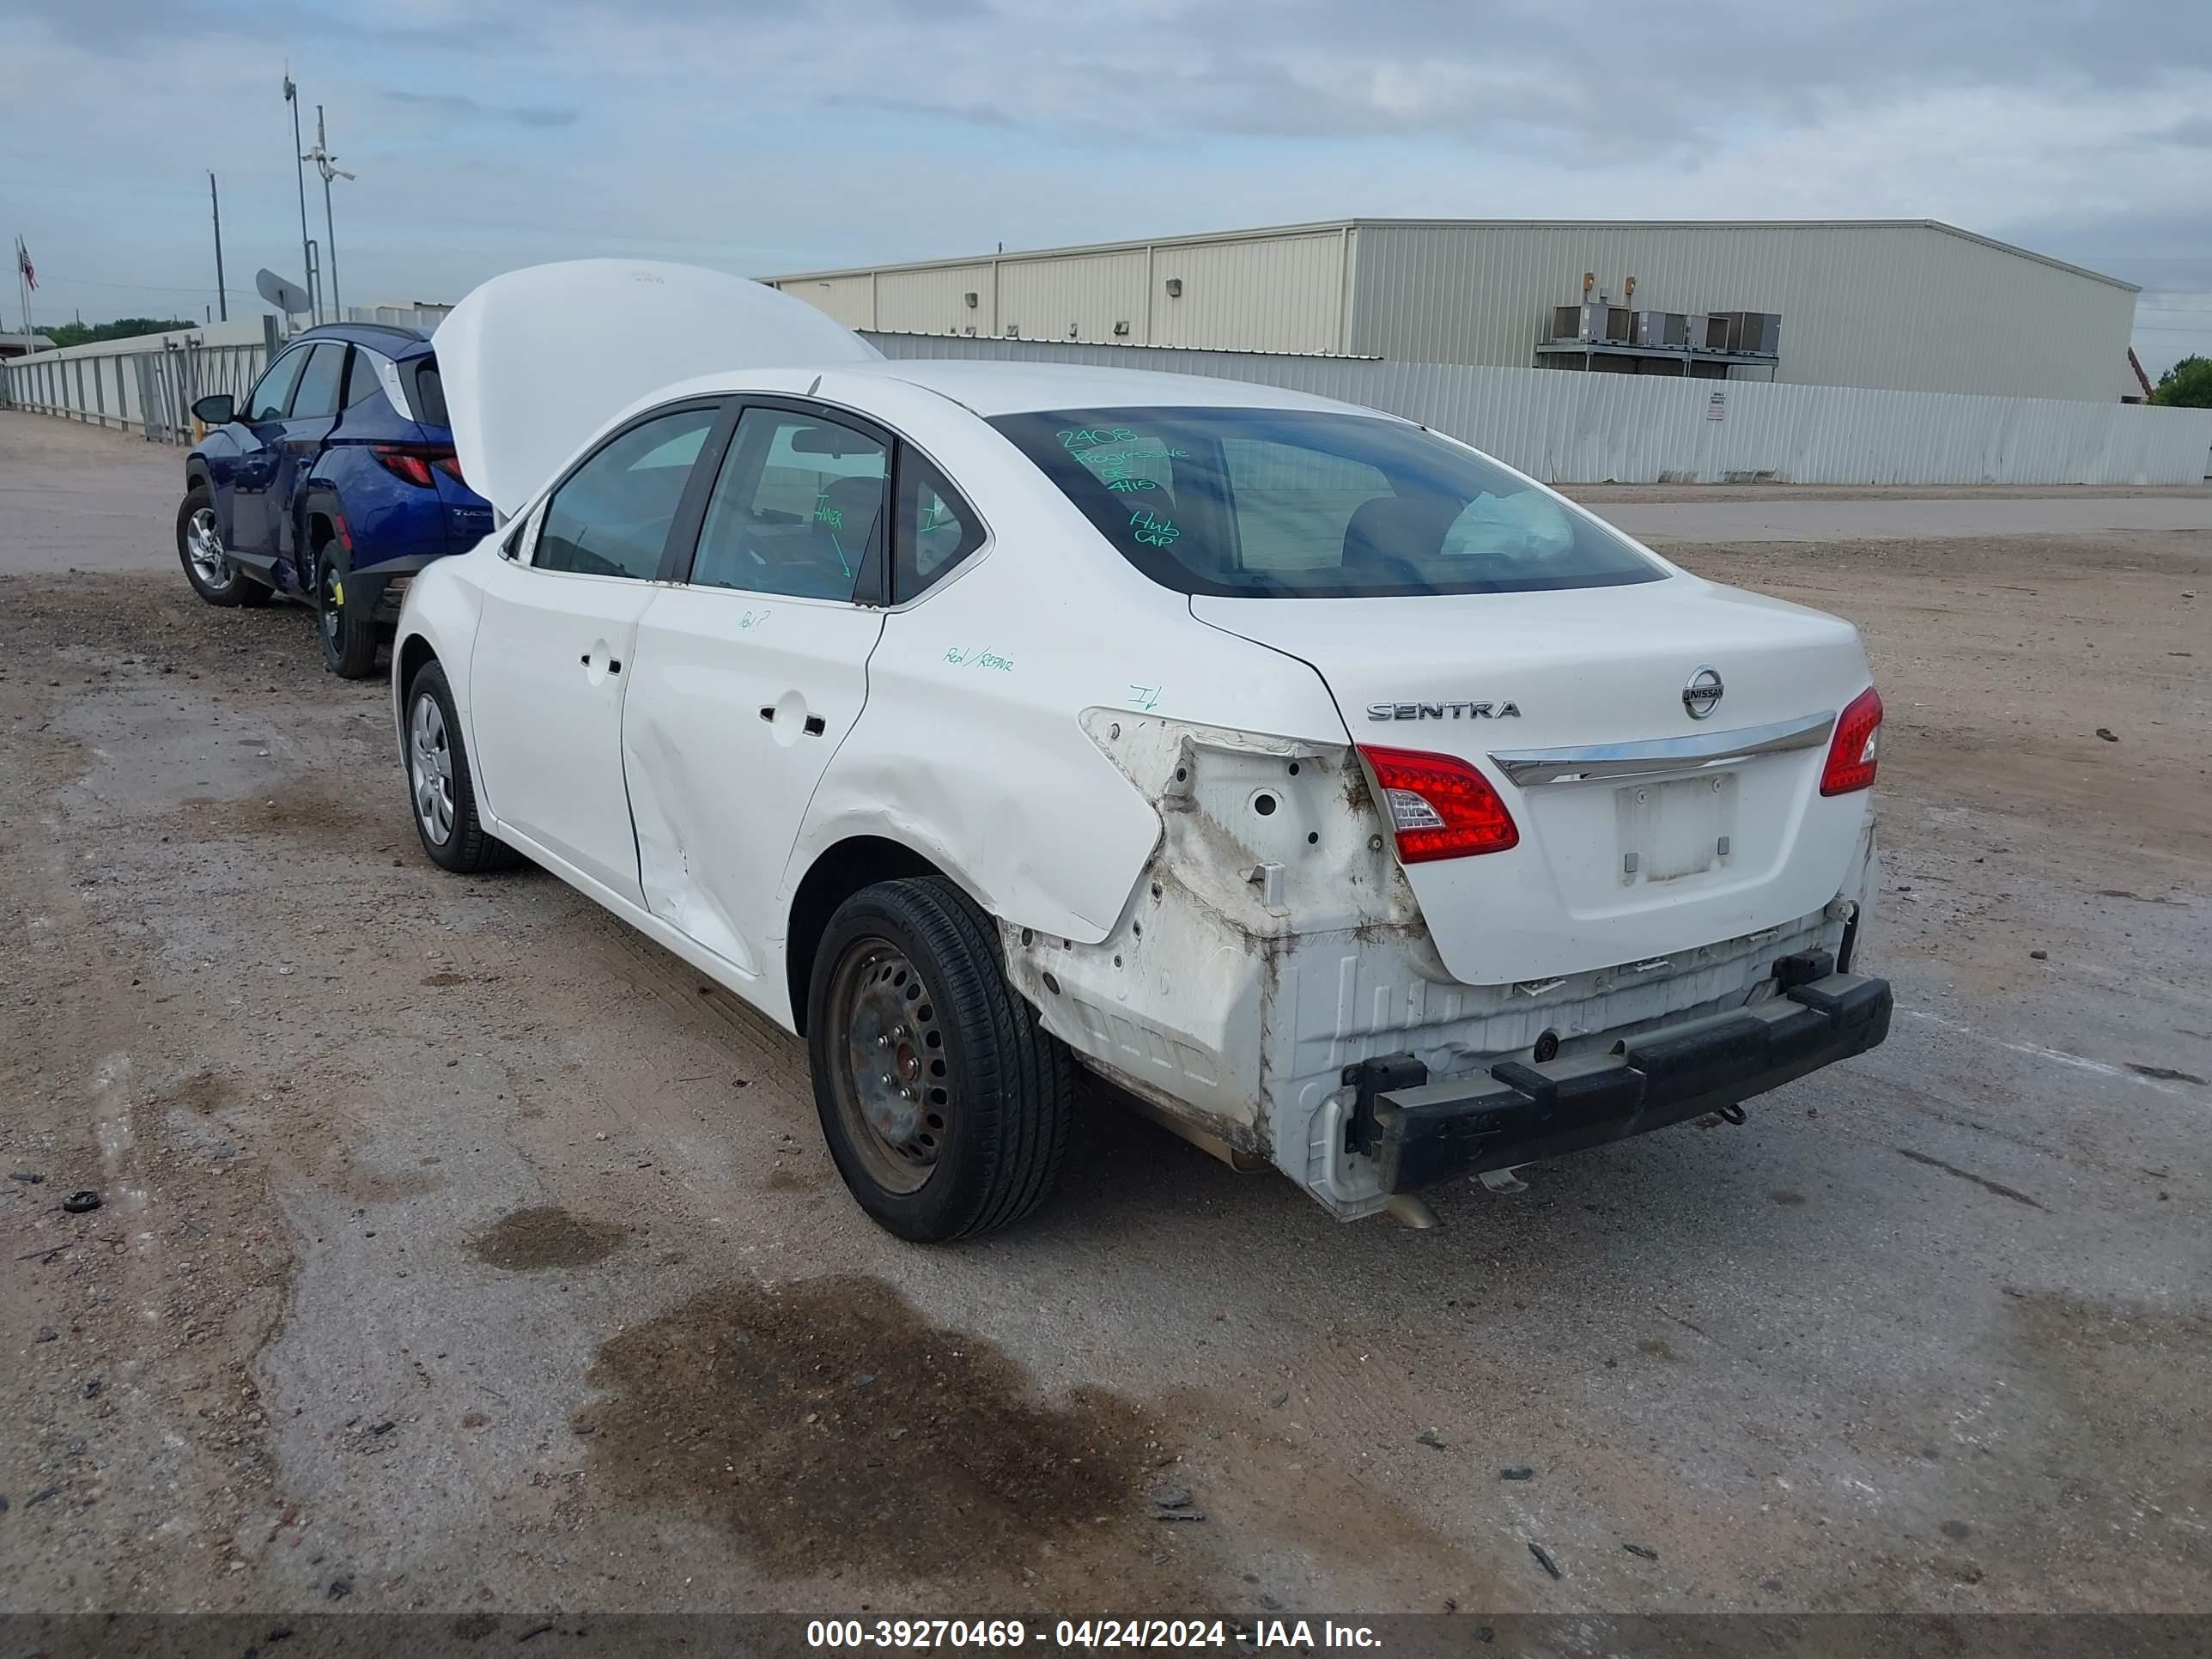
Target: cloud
x: 458, y: 105
x: 760, y: 136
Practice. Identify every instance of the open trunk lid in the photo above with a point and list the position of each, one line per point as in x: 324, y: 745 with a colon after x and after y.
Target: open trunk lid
x: 533, y: 362
x: 1680, y: 831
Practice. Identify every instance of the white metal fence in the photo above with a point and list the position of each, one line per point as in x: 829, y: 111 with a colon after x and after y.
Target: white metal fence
x: 146, y: 385
x: 1561, y: 427
x: 1568, y: 428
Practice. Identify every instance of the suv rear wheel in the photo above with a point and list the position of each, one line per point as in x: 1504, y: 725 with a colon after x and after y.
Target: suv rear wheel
x: 946, y: 1105
x: 345, y: 623
x: 207, y: 563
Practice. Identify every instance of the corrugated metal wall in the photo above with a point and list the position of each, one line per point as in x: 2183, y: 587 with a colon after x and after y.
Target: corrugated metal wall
x: 1270, y: 292
x: 1911, y: 307
x: 1075, y: 298
x: 934, y: 299
x: 1601, y: 428
x: 850, y: 298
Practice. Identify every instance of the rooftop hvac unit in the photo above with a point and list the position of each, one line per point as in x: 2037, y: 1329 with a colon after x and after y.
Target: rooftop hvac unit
x: 1594, y: 324
x: 1754, y: 333
x: 1707, y: 332
x: 1666, y: 330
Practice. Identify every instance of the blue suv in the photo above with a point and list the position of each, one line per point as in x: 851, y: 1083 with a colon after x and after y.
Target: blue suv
x: 333, y: 483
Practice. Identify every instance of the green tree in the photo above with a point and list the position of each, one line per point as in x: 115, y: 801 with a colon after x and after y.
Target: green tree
x: 2187, y: 384
x: 70, y: 334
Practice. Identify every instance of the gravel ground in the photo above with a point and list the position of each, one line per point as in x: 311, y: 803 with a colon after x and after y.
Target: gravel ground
x: 459, y: 1250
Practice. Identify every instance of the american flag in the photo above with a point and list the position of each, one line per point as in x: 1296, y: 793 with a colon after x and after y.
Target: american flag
x: 23, y: 264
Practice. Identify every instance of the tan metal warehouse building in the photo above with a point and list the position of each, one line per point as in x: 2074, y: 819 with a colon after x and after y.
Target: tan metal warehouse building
x: 1907, y: 304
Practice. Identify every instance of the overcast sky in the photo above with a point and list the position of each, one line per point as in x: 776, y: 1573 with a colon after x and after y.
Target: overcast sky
x: 763, y: 138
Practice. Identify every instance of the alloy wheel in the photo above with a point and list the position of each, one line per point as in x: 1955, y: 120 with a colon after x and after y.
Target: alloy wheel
x: 204, y: 546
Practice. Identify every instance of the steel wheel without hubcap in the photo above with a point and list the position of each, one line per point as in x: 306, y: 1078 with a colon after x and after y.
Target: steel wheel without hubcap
x: 203, y: 544
x: 430, y: 768
x: 894, y: 1091
x: 330, y: 605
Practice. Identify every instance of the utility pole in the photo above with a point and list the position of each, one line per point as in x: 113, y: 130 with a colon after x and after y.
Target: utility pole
x: 300, y: 176
x: 327, y: 164
x: 221, y: 298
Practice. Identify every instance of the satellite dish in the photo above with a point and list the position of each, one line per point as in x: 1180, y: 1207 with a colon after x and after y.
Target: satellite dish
x: 288, y: 297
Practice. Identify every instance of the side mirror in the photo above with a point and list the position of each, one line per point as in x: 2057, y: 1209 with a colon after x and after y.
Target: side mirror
x: 216, y: 409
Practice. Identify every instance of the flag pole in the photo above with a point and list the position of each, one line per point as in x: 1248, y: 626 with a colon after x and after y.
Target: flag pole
x: 23, y: 297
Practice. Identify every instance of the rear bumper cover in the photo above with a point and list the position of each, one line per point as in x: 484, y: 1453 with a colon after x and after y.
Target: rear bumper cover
x: 1511, y: 1112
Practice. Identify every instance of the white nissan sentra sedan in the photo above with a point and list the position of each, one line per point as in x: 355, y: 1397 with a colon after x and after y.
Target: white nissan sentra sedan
x: 1345, y: 799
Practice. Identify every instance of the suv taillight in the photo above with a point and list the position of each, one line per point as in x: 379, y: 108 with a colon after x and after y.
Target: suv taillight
x: 1439, y: 806
x: 413, y: 462
x: 1853, y: 753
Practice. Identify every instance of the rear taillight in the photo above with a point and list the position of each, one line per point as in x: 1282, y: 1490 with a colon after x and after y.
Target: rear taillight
x: 413, y: 462
x: 1439, y: 807
x: 1852, y: 754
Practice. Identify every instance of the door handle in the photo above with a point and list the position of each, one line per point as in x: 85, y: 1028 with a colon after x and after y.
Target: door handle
x: 614, y: 664
x: 814, y: 725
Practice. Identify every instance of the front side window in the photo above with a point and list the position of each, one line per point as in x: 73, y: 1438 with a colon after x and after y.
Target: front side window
x: 611, y: 516
x: 274, y: 392
x: 796, y: 505
x: 317, y: 396
x: 1266, y: 503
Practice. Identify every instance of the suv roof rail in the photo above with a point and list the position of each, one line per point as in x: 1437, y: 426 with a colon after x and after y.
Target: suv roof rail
x: 339, y: 332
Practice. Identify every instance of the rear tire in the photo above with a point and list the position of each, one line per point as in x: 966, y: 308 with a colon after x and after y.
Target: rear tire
x: 207, y: 563
x: 946, y: 1106
x: 441, y: 789
x: 347, y: 630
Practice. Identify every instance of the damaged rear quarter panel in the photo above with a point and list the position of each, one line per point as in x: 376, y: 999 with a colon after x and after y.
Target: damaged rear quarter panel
x: 1269, y: 852
x: 971, y: 748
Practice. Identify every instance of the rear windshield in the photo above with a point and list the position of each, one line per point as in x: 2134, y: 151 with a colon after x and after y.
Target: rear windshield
x: 1260, y: 503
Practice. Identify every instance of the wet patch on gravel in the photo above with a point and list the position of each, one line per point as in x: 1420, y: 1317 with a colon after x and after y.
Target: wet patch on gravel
x: 827, y: 1421
x: 531, y: 1240
x: 327, y: 812
x: 204, y: 1093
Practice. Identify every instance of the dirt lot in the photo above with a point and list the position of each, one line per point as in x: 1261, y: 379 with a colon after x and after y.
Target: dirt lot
x: 459, y: 1250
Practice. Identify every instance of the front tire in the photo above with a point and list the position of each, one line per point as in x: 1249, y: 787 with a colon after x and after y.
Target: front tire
x: 441, y: 789
x: 946, y: 1106
x: 345, y: 622
x: 207, y: 562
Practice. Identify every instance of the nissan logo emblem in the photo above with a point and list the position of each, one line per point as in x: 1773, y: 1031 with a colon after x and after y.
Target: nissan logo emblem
x: 1703, y: 694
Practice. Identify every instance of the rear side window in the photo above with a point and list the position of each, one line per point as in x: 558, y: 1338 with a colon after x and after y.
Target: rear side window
x: 429, y: 393
x: 935, y: 532
x: 1266, y: 503
x: 318, y: 395
x: 274, y: 392
x: 363, y: 380
x: 795, y: 509
x: 611, y: 517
